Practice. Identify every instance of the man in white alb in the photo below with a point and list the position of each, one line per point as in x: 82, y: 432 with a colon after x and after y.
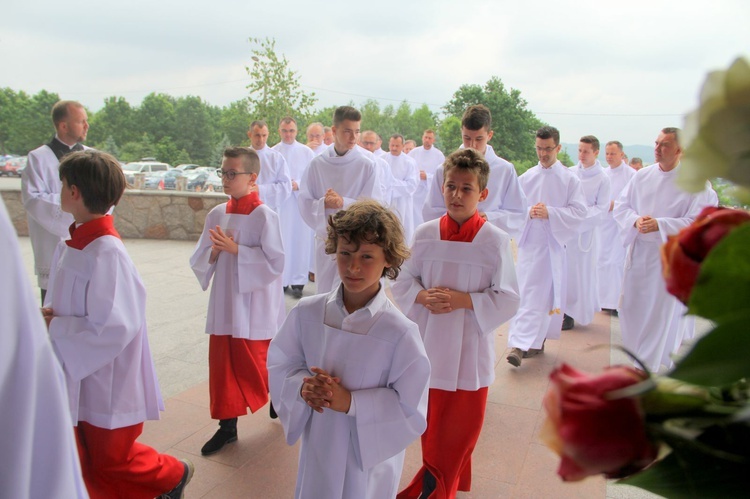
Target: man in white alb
x: 428, y: 158
x: 403, y: 185
x: 582, y: 253
x: 314, y: 135
x: 611, y: 251
x: 274, y: 182
x: 296, y: 235
x: 409, y: 146
x: 651, y: 208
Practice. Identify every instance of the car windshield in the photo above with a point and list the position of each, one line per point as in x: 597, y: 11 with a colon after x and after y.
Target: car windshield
x: 133, y: 167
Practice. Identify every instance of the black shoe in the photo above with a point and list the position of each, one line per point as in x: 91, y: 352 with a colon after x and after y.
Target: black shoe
x: 568, y: 323
x: 429, y: 484
x: 297, y: 290
x: 272, y: 411
x: 219, y: 440
x: 286, y: 289
x: 179, y: 491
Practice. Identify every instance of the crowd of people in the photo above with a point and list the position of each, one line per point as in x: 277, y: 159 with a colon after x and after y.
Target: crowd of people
x: 355, y: 374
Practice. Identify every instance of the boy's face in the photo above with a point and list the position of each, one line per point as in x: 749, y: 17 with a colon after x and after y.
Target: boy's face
x: 360, y: 269
x: 462, y: 194
x: 586, y: 154
x: 242, y: 183
x: 346, y: 135
x: 476, y: 139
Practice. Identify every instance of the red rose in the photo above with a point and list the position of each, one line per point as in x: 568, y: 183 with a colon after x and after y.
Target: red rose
x: 683, y: 254
x: 592, y: 434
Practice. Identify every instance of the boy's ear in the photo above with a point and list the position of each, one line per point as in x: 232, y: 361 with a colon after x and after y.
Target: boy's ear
x: 490, y: 133
x: 483, y: 195
x: 253, y: 177
x: 75, y: 193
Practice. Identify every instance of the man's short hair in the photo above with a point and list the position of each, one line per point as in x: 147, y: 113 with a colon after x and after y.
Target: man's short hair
x: 410, y: 141
x: 259, y: 124
x: 370, y: 222
x: 322, y: 128
x: 286, y: 120
x: 327, y: 129
x: 636, y: 160
x: 250, y: 159
x: 549, y: 132
x: 477, y: 117
x: 468, y: 160
x: 429, y: 130
x: 344, y: 113
x: 590, y: 139
x: 674, y: 131
x: 615, y: 143
x: 398, y: 136
x: 98, y: 177
x: 61, y: 108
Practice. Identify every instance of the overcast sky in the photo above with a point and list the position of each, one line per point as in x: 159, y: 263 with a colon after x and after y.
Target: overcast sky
x: 619, y: 70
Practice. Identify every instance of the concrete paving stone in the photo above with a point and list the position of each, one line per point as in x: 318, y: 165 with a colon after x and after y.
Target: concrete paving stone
x: 539, y: 479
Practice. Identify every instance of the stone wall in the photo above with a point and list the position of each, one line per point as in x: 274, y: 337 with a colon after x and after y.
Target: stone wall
x: 143, y: 214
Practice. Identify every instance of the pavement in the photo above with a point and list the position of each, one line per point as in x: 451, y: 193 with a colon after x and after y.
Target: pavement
x: 510, y: 460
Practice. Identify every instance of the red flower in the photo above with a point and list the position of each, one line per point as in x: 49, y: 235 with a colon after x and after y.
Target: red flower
x: 591, y: 433
x: 683, y: 254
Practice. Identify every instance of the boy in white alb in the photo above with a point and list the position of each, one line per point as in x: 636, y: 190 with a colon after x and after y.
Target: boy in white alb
x: 96, y: 313
x: 505, y: 204
x: 348, y: 371
x: 335, y: 179
x: 241, y: 249
x: 459, y: 285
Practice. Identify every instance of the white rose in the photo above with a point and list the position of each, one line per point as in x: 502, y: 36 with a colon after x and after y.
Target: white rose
x: 716, y: 136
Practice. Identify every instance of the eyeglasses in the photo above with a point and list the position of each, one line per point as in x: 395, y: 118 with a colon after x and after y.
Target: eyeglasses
x: 546, y: 149
x: 230, y: 174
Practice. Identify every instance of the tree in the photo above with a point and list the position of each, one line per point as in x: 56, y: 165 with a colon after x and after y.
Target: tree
x: 156, y: 116
x: 109, y: 146
x: 25, y: 122
x: 450, y: 134
x: 218, y: 153
x: 134, y: 151
x: 233, y: 123
x: 196, y: 133
x: 513, y: 124
x: 117, y: 119
x: 275, y: 90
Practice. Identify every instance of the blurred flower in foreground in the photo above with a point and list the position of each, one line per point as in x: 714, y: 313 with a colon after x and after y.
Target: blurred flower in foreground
x: 592, y: 433
x: 716, y: 136
x: 684, y: 253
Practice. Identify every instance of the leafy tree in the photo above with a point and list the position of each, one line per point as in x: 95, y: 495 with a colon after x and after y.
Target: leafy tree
x: 233, y: 123
x: 275, y: 90
x: 196, y: 132
x: 109, y: 146
x: 450, y: 134
x: 513, y: 124
x: 117, y: 119
x: 218, y: 153
x: 25, y: 122
x: 134, y: 151
x: 156, y: 117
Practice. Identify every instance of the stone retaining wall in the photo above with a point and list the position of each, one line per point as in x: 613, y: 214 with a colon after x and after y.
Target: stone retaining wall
x: 143, y: 214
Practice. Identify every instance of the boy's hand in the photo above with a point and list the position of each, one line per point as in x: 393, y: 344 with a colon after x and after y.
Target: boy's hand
x: 48, y: 314
x: 316, y: 391
x: 340, y: 399
x: 539, y: 210
x: 222, y: 242
x: 332, y: 200
x: 436, y: 300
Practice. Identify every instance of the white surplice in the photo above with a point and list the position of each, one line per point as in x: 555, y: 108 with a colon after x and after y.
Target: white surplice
x: 505, y: 206
x: 248, y: 301
x: 582, y: 296
x: 274, y: 181
x: 461, y: 343
x: 319, y: 150
x: 100, y: 337
x: 38, y: 455
x: 611, y: 251
x: 48, y: 224
x: 298, y: 237
x: 541, y: 253
x: 652, y: 321
x: 353, y: 176
x: 403, y: 186
x: 378, y: 355
x: 428, y: 160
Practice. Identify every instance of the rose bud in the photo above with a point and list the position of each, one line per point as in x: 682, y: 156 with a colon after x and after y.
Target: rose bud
x: 683, y: 254
x: 591, y: 433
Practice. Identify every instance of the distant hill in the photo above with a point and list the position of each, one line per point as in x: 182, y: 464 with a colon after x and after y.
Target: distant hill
x: 646, y: 153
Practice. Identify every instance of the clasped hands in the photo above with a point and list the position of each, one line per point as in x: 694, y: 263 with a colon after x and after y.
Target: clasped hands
x: 646, y: 224
x: 221, y: 242
x: 443, y: 300
x: 323, y: 391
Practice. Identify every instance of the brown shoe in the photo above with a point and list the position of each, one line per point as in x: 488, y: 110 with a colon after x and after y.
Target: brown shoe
x: 515, y: 356
x: 533, y: 352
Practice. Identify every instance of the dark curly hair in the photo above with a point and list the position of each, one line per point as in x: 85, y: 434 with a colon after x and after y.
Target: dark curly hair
x: 370, y: 222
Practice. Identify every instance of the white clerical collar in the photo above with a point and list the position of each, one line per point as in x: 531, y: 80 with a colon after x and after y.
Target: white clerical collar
x: 63, y: 142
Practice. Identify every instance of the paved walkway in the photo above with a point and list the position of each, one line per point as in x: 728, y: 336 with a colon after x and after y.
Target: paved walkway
x: 509, y: 462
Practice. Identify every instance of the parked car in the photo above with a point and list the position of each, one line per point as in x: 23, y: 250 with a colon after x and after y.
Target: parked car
x: 204, y: 179
x: 13, y: 166
x: 186, y: 167
x: 153, y: 179
x: 130, y: 169
x: 169, y: 180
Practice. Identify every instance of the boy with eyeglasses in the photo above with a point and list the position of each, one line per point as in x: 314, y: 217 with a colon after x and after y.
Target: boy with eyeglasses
x: 241, y: 248
x: 557, y: 206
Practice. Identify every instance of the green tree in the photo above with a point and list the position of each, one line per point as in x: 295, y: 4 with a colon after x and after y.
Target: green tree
x: 233, y: 123
x: 117, y: 119
x: 218, y: 153
x: 25, y: 122
x: 136, y: 150
x: 275, y: 90
x: 196, y: 133
x: 109, y: 146
x: 449, y: 132
x: 156, y: 116
x: 513, y: 124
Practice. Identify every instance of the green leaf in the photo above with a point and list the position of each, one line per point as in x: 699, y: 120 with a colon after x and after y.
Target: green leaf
x: 720, y: 358
x: 691, y: 474
x: 722, y: 290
